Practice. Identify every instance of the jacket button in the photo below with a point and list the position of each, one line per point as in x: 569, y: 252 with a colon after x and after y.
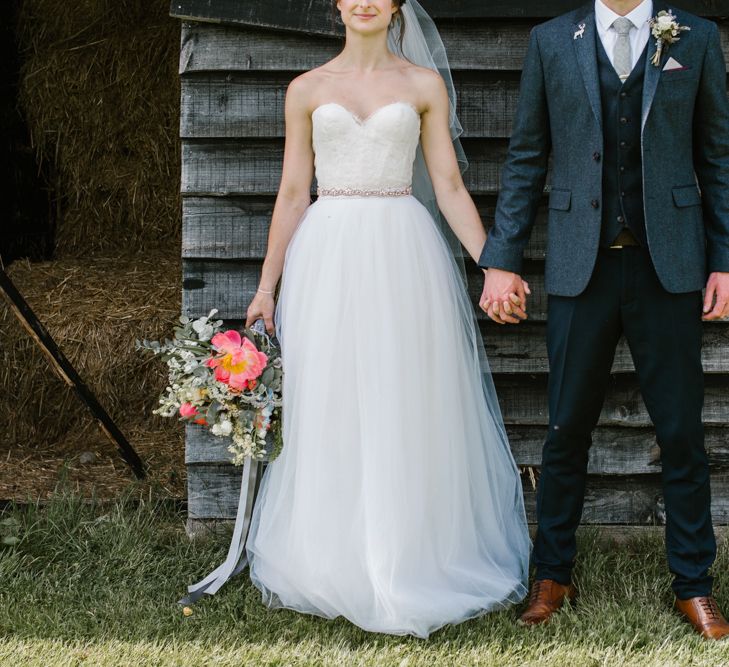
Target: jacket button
x: 623, y: 120
x: 595, y: 204
x: 621, y: 219
x: 596, y: 156
x: 623, y: 144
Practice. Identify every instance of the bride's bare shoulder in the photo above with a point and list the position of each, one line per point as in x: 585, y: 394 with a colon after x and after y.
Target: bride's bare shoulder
x: 423, y: 76
x: 305, y: 87
x: 302, y: 90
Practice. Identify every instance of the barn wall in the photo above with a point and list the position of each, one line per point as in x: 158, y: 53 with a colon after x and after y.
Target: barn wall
x: 233, y: 86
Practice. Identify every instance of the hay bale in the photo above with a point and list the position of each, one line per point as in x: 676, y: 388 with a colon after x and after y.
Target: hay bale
x: 95, y: 309
x: 100, y: 92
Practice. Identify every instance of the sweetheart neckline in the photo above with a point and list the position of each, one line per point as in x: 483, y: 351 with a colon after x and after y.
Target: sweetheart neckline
x: 363, y: 121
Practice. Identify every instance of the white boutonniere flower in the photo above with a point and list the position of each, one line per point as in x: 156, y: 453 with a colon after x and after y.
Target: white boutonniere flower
x: 666, y: 29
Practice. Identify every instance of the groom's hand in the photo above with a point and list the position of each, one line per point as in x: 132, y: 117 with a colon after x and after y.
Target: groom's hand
x: 504, y: 297
x: 716, y: 301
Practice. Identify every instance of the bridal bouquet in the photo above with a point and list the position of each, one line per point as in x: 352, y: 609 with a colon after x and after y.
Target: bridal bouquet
x: 227, y: 381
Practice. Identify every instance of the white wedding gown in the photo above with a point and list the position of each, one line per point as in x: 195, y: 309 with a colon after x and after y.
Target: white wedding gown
x: 396, y: 502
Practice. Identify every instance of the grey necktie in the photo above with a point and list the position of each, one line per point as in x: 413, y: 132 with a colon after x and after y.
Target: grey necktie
x: 622, y: 55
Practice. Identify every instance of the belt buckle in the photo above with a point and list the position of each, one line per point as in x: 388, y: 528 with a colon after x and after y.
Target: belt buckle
x: 616, y: 247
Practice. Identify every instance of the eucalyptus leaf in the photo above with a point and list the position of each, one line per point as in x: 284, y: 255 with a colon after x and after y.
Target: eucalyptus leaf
x: 268, y: 375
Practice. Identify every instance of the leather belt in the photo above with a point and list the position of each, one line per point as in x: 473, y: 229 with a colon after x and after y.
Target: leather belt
x: 624, y: 240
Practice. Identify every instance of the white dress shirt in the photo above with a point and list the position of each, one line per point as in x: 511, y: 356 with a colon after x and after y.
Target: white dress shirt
x: 639, y: 36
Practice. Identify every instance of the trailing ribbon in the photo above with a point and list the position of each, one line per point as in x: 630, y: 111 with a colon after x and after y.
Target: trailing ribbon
x: 237, y: 558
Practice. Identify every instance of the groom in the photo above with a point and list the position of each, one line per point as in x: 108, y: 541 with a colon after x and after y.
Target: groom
x: 638, y: 218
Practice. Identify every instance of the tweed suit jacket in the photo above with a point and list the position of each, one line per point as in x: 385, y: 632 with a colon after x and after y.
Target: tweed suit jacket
x: 684, y: 146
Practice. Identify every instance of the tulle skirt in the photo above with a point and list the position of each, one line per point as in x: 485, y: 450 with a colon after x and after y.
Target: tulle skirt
x: 396, y: 502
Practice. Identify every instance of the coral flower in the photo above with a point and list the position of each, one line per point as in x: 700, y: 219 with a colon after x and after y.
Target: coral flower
x: 238, y: 361
x: 188, y: 410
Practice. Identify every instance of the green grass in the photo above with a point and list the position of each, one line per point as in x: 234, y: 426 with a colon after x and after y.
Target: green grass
x: 97, y: 585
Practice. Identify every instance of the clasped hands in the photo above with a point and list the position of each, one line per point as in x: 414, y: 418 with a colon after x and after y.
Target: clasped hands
x: 504, y: 297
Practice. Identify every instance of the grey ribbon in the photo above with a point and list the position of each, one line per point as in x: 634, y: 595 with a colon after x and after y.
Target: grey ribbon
x: 237, y: 559
x: 622, y: 55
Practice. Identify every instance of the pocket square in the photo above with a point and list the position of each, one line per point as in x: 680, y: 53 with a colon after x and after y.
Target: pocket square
x: 672, y: 65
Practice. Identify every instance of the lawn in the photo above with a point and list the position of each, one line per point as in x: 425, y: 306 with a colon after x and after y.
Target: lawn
x: 97, y: 584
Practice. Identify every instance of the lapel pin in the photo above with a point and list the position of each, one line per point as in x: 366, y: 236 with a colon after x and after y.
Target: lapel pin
x: 581, y: 32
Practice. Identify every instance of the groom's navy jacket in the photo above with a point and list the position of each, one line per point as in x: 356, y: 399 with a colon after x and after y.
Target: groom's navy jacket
x: 684, y: 139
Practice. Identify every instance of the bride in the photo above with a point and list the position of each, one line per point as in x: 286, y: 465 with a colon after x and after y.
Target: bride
x: 396, y: 502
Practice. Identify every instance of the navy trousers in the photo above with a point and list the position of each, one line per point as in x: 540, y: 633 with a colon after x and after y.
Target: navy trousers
x: 664, y: 333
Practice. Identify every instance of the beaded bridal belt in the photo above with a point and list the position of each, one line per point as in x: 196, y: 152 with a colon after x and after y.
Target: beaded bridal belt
x: 353, y: 192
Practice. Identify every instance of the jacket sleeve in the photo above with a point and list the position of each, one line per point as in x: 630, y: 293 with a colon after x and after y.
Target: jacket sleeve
x: 711, y: 152
x: 524, y: 172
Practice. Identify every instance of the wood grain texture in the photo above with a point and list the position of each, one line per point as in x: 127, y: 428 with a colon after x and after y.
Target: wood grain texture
x: 315, y: 16
x: 478, y: 46
x: 523, y: 350
x: 524, y: 401
x: 253, y: 166
x: 213, y: 494
x: 615, y: 451
x: 236, y: 227
x: 221, y: 105
x: 229, y: 286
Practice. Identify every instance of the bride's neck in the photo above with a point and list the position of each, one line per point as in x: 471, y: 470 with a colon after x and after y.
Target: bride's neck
x: 365, y: 53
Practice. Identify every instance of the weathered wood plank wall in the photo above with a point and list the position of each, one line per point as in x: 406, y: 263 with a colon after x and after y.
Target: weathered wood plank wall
x: 234, y: 77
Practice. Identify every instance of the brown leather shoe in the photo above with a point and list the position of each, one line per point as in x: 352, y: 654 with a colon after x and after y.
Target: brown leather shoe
x: 547, y: 596
x: 704, y: 614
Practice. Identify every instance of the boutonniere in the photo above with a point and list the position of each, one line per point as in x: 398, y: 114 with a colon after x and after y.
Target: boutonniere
x: 666, y: 29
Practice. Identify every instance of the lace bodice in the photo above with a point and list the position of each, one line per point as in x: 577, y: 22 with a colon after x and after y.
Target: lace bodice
x: 374, y: 153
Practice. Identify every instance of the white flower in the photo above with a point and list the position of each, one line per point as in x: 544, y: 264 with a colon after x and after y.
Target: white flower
x: 665, y: 22
x: 223, y: 428
x: 203, y: 329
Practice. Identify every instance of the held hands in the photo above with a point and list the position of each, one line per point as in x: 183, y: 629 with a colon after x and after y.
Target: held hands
x: 716, y: 301
x: 504, y: 297
x: 261, y: 308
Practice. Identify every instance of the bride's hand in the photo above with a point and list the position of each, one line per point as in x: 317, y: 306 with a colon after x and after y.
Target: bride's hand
x: 262, y: 308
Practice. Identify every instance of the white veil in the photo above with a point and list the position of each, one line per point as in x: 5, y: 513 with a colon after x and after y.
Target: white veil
x: 423, y: 46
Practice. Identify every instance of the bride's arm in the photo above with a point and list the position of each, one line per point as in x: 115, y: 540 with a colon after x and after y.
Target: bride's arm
x: 453, y: 199
x: 294, y: 196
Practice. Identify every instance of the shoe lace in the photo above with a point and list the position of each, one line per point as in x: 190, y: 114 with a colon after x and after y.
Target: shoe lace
x: 537, y: 588
x: 710, y: 608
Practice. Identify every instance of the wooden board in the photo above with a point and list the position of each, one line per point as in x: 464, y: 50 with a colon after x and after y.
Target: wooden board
x: 236, y: 227
x: 488, y: 46
x: 230, y: 167
x: 523, y: 350
x: 524, y: 401
x: 478, y: 46
x: 316, y: 16
x: 615, y: 451
x: 229, y: 286
x: 227, y: 105
x: 213, y: 494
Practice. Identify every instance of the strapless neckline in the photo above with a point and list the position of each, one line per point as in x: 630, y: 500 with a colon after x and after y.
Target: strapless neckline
x: 363, y: 121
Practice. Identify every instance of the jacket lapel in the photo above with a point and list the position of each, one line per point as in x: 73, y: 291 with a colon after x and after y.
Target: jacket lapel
x: 652, y: 72
x: 583, y: 36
